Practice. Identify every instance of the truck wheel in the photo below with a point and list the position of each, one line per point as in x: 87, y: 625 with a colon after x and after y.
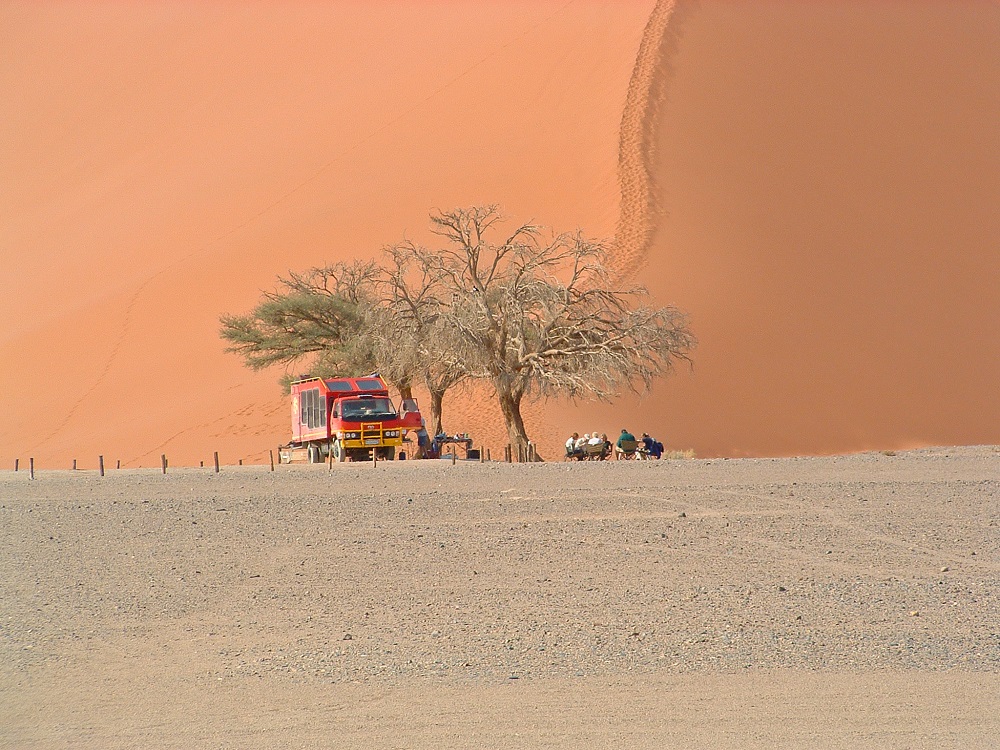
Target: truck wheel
x: 339, y: 454
x: 387, y: 454
x: 313, y: 453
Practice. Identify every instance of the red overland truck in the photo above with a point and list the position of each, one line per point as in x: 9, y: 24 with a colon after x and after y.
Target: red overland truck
x: 347, y: 418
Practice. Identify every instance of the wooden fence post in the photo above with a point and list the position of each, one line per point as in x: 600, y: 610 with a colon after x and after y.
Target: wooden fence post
x: 453, y: 455
x: 31, y: 468
x: 100, y: 465
x: 272, y: 460
x: 74, y: 464
x: 163, y: 462
x: 17, y: 462
x: 241, y: 462
x: 119, y: 464
x: 488, y: 455
x: 216, y: 458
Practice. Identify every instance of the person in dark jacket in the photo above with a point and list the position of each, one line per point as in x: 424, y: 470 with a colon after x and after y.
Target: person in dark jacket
x: 626, y: 436
x: 625, y: 445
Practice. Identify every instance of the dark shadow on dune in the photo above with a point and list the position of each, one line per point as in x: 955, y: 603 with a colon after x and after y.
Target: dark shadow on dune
x: 830, y: 174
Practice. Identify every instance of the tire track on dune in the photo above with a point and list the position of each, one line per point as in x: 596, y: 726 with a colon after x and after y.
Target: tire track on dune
x: 640, y: 207
x: 242, y: 411
x: 109, y: 362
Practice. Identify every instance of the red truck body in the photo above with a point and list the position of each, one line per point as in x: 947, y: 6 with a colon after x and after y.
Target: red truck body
x: 348, y: 418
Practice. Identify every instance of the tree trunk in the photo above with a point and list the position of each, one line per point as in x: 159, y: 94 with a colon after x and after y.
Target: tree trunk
x: 436, y: 398
x: 510, y: 406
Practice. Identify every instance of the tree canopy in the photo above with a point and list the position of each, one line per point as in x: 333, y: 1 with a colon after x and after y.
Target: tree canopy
x: 534, y: 315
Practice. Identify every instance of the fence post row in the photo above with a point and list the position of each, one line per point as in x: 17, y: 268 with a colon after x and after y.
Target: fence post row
x: 528, y: 454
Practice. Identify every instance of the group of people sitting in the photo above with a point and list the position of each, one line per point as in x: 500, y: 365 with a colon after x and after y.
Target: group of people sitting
x: 597, y: 447
x: 590, y: 447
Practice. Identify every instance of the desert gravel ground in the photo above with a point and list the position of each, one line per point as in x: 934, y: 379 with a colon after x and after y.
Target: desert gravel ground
x: 837, y: 602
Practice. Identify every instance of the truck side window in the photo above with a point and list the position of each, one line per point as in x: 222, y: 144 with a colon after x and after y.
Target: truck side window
x: 313, y: 414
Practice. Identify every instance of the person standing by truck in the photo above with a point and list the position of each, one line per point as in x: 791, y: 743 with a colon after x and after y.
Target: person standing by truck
x: 423, y: 440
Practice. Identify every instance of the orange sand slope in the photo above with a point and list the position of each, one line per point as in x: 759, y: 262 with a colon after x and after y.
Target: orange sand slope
x: 827, y: 199
x: 168, y: 161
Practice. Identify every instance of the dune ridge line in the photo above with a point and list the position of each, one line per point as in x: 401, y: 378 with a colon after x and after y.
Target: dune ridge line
x: 637, y: 141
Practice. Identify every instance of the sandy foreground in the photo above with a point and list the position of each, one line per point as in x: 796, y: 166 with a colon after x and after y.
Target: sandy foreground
x: 842, y: 602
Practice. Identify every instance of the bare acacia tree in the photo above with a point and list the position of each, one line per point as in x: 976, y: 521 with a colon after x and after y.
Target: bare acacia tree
x: 411, y: 338
x: 538, y: 317
x: 533, y: 316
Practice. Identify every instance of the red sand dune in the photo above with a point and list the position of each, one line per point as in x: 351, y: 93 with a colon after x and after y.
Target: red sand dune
x: 827, y: 174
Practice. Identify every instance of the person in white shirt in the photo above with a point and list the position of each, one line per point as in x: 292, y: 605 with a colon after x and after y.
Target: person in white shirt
x: 571, y: 449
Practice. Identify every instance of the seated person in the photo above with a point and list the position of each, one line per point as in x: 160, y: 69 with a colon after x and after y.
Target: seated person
x: 571, y: 449
x: 625, y: 445
x: 657, y: 450
x: 647, y: 444
x: 594, y: 448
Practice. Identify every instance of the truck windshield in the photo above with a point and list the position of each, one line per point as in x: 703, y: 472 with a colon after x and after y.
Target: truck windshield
x: 368, y: 408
